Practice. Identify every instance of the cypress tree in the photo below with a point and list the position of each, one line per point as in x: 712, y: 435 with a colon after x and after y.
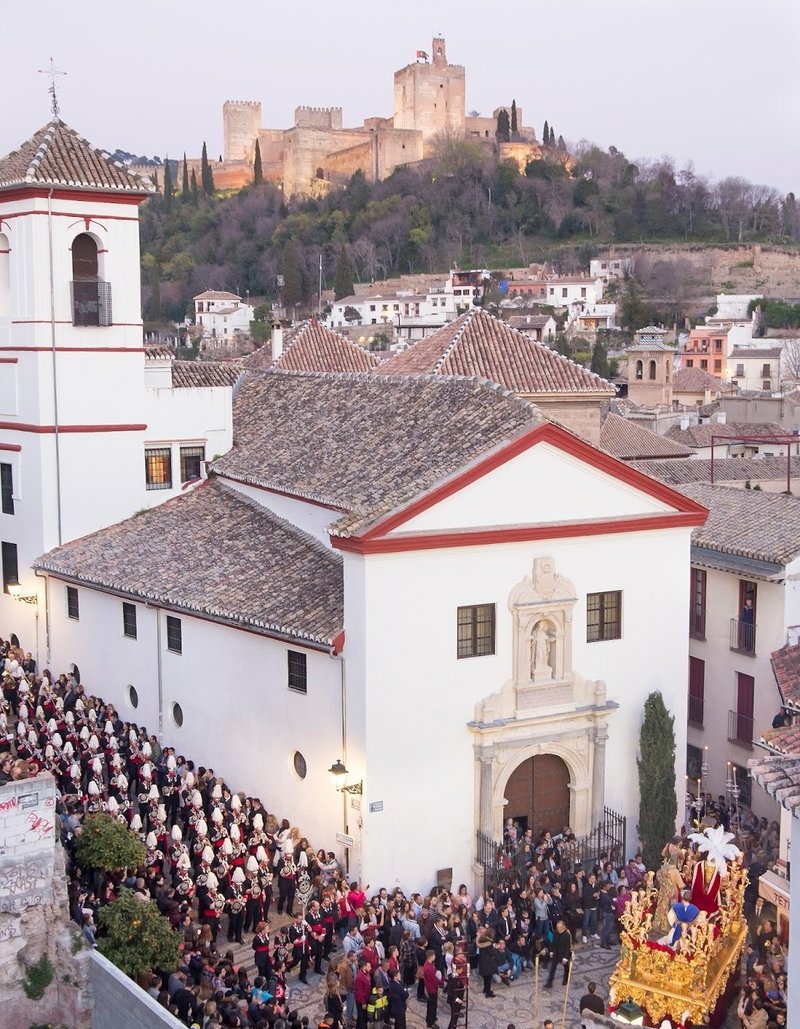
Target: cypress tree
x: 546, y: 134
x: 552, y: 136
x: 185, y: 181
x: 562, y: 146
x: 258, y: 174
x: 658, y: 806
x: 514, y: 126
x: 343, y: 280
x: 503, y: 131
x: 600, y: 360
x: 292, y: 276
x: 167, y: 188
x: 206, y: 175
x: 194, y: 187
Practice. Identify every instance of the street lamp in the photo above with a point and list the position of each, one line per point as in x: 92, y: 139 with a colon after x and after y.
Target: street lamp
x: 337, y: 771
x: 15, y: 591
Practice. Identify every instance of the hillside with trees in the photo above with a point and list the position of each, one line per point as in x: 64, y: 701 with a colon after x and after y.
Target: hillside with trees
x: 463, y: 207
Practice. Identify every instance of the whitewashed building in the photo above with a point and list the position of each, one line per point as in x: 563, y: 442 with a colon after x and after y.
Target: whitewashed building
x: 221, y: 317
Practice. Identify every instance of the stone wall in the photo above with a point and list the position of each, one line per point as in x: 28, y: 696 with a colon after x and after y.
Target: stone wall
x: 34, y: 912
x: 430, y: 98
x: 241, y: 121
x: 120, y: 1004
x: 579, y: 416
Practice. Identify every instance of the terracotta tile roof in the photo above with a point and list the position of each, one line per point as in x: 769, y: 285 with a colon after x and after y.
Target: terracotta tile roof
x: 476, y: 344
x: 646, y: 347
x: 785, y: 740
x: 201, y: 374
x: 155, y: 352
x: 753, y: 353
x: 216, y: 294
x: 627, y: 440
x: 57, y: 156
x: 528, y: 321
x: 780, y: 777
x: 313, y: 347
x: 695, y: 380
x: 748, y: 523
x: 365, y: 444
x: 700, y: 435
x: 276, y: 578
x: 786, y: 667
x: 726, y: 469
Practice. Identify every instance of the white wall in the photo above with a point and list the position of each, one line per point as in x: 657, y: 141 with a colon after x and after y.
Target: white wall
x: 311, y: 518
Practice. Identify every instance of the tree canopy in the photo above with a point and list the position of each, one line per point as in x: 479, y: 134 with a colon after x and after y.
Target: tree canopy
x: 107, y: 845
x: 658, y: 805
x: 138, y: 939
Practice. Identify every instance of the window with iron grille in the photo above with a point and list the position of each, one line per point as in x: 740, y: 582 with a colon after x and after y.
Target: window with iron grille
x: 10, y: 566
x: 174, y: 635
x: 298, y: 675
x: 73, y: 607
x: 129, y: 620
x: 7, y: 487
x: 191, y: 462
x: 697, y: 603
x: 475, y: 630
x: 91, y: 302
x: 158, y: 468
x: 603, y: 616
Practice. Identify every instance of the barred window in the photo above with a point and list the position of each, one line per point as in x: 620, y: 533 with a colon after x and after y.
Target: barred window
x: 73, y: 606
x: 129, y: 620
x: 604, y: 616
x: 158, y: 468
x: 10, y: 566
x: 191, y: 462
x: 298, y: 674
x: 174, y: 635
x: 7, y: 487
x: 475, y: 630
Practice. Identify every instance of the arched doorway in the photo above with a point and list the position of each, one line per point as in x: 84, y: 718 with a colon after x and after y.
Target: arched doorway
x: 537, y: 794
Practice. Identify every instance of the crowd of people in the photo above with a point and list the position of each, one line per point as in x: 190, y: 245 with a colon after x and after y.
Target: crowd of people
x: 218, y: 864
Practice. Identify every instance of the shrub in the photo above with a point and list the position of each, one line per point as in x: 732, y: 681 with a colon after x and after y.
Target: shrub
x: 138, y: 938
x: 108, y: 846
x: 37, y: 978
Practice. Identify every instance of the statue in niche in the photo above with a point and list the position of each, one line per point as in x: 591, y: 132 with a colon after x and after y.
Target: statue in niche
x: 541, y: 639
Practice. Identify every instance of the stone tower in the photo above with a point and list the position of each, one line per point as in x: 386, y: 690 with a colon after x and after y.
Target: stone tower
x: 241, y: 122
x: 430, y: 97
x: 650, y: 374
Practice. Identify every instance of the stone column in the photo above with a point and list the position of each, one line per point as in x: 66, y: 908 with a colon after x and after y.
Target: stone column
x: 485, y: 812
x: 599, y: 774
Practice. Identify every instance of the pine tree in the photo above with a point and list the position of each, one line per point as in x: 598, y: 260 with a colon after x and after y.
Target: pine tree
x: 600, y: 360
x: 546, y: 134
x: 658, y: 805
x: 206, y: 175
x: 194, y: 187
x: 292, y: 276
x: 514, y: 126
x: 168, y: 190
x: 258, y: 174
x: 503, y: 131
x: 343, y: 280
x: 185, y: 181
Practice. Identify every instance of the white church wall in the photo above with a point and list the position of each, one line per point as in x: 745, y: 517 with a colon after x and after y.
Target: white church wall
x: 311, y: 518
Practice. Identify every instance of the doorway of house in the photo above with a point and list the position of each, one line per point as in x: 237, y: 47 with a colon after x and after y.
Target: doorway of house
x: 537, y: 794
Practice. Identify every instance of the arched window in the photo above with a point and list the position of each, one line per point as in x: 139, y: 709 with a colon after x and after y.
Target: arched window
x: 652, y: 370
x: 320, y: 173
x: 639, y: 369
x: 91, y: 296
x: 5, y: 277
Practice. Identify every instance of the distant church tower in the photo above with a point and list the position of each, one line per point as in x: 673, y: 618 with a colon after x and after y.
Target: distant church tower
x: 431, y: 97
x: 650, y: 372
x: 71, y: 351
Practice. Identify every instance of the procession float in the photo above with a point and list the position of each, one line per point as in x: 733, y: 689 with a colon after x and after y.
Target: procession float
x: 682, y: 937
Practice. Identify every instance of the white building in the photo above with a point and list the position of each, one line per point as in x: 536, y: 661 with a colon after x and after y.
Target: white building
x: 755, y: 368
x: 402, y: 315
x: 377, y: 551
x: 608, y: 268
x: 221, y: 317
x: 745, y: 603
x: 563, y: 291
x: 90, y: 431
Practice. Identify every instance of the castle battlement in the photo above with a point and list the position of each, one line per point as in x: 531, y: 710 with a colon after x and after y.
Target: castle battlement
x: 242, y: 103
x: 318, y: 117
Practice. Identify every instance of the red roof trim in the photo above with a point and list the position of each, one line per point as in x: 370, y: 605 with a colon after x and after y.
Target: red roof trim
x: 81, y: 350
x: 564, y: 441
x: 337, y: 643
x: 443, y: 540
x: 108, y: 195
x: 15, y: 447
x: 24, y: 427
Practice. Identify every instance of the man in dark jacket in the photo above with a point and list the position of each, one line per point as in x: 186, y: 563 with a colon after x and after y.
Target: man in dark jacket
x: 398, y: 999
x: 562, y: 953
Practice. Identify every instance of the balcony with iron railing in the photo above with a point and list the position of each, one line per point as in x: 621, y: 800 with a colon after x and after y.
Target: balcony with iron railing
x: 696, y: 706
x: 743, y: 637
x: 697, y: 624
x: 740, y: 729
x: 91, y: 302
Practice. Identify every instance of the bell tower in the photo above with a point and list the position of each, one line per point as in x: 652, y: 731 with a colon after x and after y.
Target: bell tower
x: 71, y: 348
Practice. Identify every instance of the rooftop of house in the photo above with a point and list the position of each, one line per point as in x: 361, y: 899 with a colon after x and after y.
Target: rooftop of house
x: 726, y: 469
x: 529, y: 321
x: 758, y: 527
x: 365, y: 444
x: 204, y: 374
x: 780, y: 777
x: 647, y: 347
x: 216, y: 294
x: 311, y: 346
x: 627, y: 441
x: 57, y: 156
x: 700, y: 435
x: 650, y: 330
x: 696, y: 380
x: 277, y: 579
x: 478, y: 345
x: 786, y: 667
x: 755, y: 353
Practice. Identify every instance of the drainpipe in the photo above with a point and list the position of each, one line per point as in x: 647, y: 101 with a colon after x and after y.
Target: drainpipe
x: 53, y: 354
x: 160, y: 678
x: 342, y: 667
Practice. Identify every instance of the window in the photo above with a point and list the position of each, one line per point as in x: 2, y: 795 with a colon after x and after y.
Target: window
x: 298, y: 676
x: 765, y: 371
x: 10, y: 566
x: 697, y: 689
x: 740, y: 721
x: 129, y: 620
x: 690, y: 363
x: 174, y: 635
x: 583, y: 292
x: 718, y: 366
x: 299, y: 765
x: 740, y: 370
x: 694, y: 764
x: 718, y: 345
x: 475, y: 631
x: 73, y: 607
x: 177, y: 714
x: 191, y: 462
x: 704, y: 365
x: 133, y: 696
x: 743, y: 628
x: 652, y: 370
x: 766, y: 385
x: 639, y: 369
x: 603, y: 616
x: 158, y: 468
x: 697, y: 603
x: 91, y: 296
x: 7, y: 487
x: 564, y: 292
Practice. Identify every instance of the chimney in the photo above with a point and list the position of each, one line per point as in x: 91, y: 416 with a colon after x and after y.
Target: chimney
x: 685, y: 423
x: 277, y: 341
x: 722, y: 417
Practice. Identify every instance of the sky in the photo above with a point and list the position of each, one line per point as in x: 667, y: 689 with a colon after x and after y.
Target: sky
x: 714, y: 82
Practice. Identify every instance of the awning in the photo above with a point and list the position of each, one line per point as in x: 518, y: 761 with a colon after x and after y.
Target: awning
x: 775, y: 890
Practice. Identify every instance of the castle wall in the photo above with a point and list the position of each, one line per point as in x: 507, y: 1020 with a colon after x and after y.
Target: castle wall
x: 306, y: 153
x: 318, y: 118
x: 430, y: 98
x: 241, y: 121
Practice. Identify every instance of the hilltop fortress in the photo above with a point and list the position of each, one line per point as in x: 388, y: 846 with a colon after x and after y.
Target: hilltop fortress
x: 317, y: 153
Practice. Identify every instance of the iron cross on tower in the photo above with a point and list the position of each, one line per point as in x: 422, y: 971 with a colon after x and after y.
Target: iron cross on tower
x: 51, y: 72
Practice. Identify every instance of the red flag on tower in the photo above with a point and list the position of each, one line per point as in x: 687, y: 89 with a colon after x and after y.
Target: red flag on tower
x: 422, y: 54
